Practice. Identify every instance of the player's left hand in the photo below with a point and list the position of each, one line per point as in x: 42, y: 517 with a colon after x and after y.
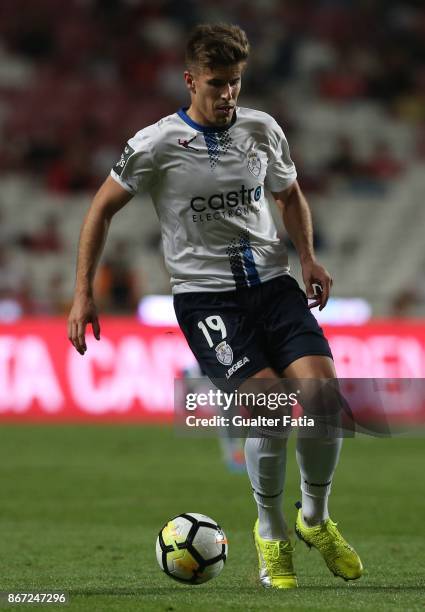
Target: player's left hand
x: 318, y: 283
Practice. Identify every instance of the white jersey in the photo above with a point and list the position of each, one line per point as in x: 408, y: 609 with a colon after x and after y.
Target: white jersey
x: 207, y: 185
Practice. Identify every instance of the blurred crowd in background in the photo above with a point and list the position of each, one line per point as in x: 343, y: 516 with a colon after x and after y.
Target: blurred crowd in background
x: 344, y: 78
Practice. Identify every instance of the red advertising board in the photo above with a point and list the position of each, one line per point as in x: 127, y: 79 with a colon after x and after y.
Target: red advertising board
x: 129, y: 375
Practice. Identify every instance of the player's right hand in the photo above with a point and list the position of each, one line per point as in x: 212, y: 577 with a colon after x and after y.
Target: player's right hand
x: 83, y: 311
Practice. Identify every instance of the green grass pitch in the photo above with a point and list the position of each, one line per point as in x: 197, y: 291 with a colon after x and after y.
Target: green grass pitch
x: 80, y: 508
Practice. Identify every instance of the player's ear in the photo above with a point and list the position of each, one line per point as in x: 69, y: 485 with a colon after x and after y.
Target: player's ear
x: 190, y: 81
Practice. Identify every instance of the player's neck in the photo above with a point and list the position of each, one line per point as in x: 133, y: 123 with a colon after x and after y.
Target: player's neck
x: 197, y: 117
x: 193, y: 113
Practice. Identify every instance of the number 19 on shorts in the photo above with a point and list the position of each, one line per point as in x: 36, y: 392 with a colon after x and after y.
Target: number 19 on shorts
x: 214, y: 323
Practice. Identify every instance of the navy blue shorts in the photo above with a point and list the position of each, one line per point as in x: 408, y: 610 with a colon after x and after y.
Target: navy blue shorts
x: 235, y: 334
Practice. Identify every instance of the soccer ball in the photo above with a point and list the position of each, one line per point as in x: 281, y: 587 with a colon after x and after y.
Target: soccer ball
x: 191, y: 548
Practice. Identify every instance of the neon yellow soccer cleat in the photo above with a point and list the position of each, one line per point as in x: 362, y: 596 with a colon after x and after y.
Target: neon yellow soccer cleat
x: 339, y: 556
x: 275, y: 562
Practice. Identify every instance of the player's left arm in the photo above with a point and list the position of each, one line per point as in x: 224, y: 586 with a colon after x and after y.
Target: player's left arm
x: 297, y: 220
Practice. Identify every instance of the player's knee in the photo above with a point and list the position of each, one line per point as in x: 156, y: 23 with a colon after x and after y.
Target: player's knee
x: 269, y: 406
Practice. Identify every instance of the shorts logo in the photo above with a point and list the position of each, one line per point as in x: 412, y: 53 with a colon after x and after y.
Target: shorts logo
x: 235, y: 367
x: 254, y: 162
x: 224, y: 353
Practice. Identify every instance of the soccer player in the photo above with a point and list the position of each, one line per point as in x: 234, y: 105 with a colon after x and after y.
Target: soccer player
x: 207, y: 168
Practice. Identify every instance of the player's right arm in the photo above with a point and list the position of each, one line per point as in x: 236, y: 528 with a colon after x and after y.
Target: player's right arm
x: 110, y: 198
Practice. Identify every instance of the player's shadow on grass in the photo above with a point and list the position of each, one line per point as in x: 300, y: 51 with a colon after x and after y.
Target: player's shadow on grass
x: 158, y: 591
x: 360, y: 587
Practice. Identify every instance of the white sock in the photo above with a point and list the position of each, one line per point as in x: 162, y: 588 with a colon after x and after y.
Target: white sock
x: 266, y: 463
x: 317, y: 459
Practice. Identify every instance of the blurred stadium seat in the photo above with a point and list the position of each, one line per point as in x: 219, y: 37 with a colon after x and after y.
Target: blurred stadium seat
x: 77, y: 79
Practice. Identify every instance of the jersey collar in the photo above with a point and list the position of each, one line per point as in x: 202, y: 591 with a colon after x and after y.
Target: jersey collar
x: 203, y: 128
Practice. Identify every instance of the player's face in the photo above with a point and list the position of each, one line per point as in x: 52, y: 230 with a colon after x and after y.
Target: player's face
x: 214, y: 93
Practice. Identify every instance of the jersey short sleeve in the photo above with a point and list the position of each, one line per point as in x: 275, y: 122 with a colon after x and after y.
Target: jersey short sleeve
x: 134, y: 169
x: 281, y: 172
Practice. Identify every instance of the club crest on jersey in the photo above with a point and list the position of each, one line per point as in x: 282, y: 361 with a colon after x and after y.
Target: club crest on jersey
x: 224, y: 353
x: 254, y: 162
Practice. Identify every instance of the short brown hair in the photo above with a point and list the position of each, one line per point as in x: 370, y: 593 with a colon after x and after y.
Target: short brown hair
x: 220, y: 44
